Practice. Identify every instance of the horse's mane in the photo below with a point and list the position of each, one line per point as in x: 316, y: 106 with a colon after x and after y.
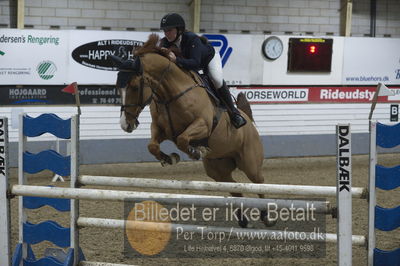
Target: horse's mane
x: 152, y: 46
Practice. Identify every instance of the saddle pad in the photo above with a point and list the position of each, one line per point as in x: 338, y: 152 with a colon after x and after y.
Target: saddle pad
x: 205, y: 81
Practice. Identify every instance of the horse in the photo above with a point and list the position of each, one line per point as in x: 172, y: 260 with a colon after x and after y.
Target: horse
x: 183, y: 112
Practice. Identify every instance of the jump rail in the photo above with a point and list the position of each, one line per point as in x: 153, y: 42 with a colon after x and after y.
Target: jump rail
x: 269, y: 189
x: 322, y: 207
x: 357, y: 240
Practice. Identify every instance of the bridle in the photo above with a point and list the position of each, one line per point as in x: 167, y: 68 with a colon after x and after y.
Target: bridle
x: 155, y: 95
x: 142, y: 103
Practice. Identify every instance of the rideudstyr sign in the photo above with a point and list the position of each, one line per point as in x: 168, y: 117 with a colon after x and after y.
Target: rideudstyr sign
x: 310, y: 94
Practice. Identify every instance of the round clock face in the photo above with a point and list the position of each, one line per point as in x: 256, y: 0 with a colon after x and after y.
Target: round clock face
x: 272, y: 48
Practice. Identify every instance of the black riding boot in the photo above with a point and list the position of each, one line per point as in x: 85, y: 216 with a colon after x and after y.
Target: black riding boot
x: 236, y: 119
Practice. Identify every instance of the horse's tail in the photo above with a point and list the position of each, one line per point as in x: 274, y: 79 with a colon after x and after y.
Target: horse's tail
x: 244, y: 105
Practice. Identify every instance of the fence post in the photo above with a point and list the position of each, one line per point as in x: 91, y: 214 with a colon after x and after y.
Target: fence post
x: 344, y: 198
x: 5, y: 249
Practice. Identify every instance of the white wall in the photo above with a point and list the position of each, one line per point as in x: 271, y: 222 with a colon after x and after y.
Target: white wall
x: 271, y: 119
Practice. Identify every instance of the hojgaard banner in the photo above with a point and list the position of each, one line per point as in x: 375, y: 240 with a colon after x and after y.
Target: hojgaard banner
x: 53, y: 95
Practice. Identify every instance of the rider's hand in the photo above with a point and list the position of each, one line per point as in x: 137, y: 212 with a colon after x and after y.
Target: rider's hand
x: 172, y: 57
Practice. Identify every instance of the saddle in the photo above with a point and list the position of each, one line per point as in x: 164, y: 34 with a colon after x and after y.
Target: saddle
x: 206, y: 83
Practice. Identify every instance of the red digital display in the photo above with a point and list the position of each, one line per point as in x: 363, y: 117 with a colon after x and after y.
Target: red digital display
x: 310, y: 55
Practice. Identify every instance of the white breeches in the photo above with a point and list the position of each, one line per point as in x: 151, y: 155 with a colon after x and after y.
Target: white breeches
x: 215, y: 71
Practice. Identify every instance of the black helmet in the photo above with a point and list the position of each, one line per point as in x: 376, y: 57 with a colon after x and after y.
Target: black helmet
x: 172, y: 20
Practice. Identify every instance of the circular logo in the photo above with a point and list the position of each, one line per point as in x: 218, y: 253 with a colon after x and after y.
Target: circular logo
x: 46, y: 69
x: 146, y: 231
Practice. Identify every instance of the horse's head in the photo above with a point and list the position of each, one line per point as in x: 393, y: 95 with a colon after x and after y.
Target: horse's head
x: 135, y: 95
x: 135, y: 92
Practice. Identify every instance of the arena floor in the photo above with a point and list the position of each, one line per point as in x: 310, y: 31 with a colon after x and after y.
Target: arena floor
x: 107, y: 245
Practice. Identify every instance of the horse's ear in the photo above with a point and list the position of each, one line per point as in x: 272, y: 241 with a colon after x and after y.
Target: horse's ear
x: 117, y: 61
x: 134, y: 49
x: 154, y: 38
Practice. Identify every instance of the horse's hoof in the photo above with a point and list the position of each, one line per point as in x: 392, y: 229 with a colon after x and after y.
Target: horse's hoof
x: 175, y: 158
x: 203, y: 151
x: 194, y: 153
x: 165, y: 160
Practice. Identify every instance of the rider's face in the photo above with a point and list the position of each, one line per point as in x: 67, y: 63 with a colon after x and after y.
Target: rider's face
x: 171, y: 34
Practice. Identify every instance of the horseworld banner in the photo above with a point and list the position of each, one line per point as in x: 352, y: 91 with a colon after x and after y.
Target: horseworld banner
x: 314, y: 94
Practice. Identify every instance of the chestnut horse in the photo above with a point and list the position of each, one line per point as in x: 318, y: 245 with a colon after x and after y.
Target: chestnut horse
x: 182, y: 112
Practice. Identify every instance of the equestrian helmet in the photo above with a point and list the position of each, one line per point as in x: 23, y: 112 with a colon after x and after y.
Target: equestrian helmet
x: 172, y: 20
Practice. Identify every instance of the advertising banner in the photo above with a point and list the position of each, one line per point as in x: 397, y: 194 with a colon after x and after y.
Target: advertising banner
x: 33, y: 57
x: 237, y: 57
x: 310, y: 94
x: 52, y: 95
x: 36, y: 64
x: 30, y: 57
x: 89, y: 63
x: 371, y: 60
x: 88, y: 54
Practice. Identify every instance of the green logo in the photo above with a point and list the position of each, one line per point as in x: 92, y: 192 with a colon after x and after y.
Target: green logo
x: 46, y: 69
x: 2, y: 53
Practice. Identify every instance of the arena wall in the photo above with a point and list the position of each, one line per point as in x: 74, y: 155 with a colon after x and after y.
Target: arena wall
x: 300, y: 17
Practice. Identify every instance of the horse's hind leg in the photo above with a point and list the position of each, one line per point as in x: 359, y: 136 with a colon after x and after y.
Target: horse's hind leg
x: 221, y: 171
x: 251, y: 164
x: 250, y: 161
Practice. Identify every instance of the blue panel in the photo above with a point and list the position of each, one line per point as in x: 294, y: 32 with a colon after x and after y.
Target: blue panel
x: 46, y: 261
x: 17, y: 256
x: 47, y: 123
x: 48, y: 230
x: 48, y: 159
x: 62, y: 205
x: 387, y: 136
x: 387, y: 178
x: 387, y: 219
x: 69, y: 260
x: 386, y: 258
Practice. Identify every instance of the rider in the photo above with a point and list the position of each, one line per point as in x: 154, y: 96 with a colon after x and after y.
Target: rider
x: 197, y: 55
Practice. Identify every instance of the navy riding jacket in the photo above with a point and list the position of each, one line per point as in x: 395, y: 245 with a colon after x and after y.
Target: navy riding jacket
x: 196, y: 54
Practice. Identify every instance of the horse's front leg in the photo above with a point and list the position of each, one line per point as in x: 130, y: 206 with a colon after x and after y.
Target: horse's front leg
x: 158, y: 136
x: 196, y: 131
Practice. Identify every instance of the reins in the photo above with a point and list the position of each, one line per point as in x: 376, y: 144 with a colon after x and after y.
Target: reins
x: 159, y: 99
